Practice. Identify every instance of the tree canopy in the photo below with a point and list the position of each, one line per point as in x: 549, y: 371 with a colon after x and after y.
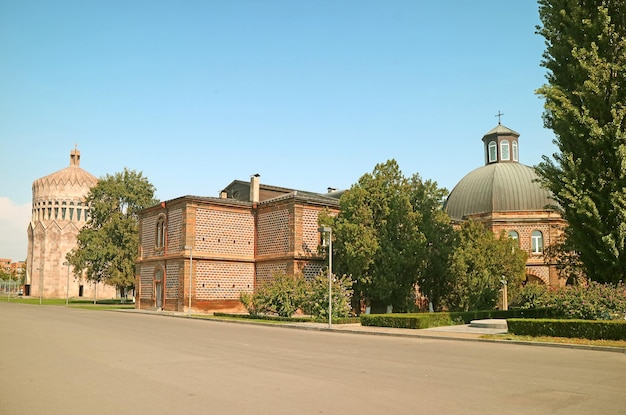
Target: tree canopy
x: 585, y: 106
x: 382, y: 233
x: 479, y: 264
x: 107, y: 245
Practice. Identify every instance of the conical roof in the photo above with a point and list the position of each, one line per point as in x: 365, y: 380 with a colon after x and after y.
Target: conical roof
x: 67, y: 182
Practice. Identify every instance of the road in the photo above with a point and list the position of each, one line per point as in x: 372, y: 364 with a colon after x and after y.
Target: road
x: 57, y: 360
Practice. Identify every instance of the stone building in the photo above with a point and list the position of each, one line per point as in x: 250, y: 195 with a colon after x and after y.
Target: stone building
x: 203, y: 252
x: 505, y: 196
x: 58, y: 214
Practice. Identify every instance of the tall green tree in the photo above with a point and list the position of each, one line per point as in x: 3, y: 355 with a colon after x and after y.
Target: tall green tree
x: 379, y: 239
x: 434, y: 275
x: 585, y: 106
x: 107, y: 245
x: 480, y: 262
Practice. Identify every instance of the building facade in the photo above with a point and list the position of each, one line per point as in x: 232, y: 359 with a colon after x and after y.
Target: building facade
x: 200, y: 253
x: 58, y: 213
x: 506, y: 197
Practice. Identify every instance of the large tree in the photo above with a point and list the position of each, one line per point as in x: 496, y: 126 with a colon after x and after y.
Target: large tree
x: 480, y: 263
x: 108, y: 243
x: 585, y: 106
x: 380, y: 238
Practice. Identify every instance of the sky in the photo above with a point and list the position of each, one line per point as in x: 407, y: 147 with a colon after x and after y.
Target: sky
x: 308, y: 94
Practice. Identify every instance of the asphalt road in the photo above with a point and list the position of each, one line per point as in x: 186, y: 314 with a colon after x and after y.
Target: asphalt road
x: 55, y: 360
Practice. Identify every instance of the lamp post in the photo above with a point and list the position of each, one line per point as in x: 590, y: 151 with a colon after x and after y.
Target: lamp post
x: 190, y: 275
x: 67, y: 285
x: 505, y: 299
x: 328, y: 230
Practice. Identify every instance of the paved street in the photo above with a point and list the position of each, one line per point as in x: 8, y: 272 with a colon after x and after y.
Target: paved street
x: 55, y: 360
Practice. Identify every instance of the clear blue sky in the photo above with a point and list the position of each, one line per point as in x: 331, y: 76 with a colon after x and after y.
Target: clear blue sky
x: 309, y: 94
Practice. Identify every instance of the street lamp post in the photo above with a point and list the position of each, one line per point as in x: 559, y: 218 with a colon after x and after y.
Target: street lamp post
x: 190, y: 276
x: 67, y: 285
x: 328, y: 230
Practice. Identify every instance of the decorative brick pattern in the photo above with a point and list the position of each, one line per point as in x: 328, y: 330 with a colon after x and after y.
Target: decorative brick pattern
x: 273, y: 232
x: 265, y: 272
x: 310, y: 233
x: 312, y: 270
x: 223, y: 280
x: 147, y: 282
x: 224, y: 233
x: 174, y: 230
x: 148, y: 234
x: 171, y: 281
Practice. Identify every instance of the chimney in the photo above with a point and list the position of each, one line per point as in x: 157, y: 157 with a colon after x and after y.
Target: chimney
x: 254, y: 188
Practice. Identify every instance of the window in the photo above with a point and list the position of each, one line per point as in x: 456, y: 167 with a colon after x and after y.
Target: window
x: 515, y: 236
x: 536, y: 241
x: 515, y: 155
x: 493, y: 149
x: 160, y: 233
x: 504, y: 150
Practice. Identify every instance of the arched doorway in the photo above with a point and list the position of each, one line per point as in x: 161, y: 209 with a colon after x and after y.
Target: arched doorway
x: 158, y: 289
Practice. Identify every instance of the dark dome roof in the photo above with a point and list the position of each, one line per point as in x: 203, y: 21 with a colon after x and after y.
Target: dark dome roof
x: 498, y: 187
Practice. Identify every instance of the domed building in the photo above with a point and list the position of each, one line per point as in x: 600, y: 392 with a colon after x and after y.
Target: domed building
x: 505, y: 195
x: 58, y: 214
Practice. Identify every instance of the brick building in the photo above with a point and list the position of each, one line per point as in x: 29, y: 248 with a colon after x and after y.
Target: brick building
x: 505, y: 195
x: 231, y: 243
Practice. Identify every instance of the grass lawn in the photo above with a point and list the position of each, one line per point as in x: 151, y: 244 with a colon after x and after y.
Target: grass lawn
x: 73, y: 302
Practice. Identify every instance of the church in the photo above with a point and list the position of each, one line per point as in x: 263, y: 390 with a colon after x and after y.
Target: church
x: 58, y: 213
x: 505, y: 196
x: 200, y: 253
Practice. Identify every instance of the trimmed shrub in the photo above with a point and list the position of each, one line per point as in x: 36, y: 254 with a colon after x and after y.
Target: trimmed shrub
x: 584, y: 329
x: 426, y: 320
x: 407, y: 321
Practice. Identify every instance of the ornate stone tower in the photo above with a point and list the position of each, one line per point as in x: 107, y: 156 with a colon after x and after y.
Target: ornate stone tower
x: 59, y: 212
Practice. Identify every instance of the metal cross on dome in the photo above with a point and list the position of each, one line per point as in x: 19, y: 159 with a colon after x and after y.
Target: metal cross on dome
x: 499, y: 114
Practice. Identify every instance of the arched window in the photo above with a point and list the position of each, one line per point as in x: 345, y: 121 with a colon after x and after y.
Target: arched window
x: 515, y: 154
x: 493, y: 150
x: 536, y: 242
x: 515, y: 236
x: 504, y: 150
x: 160, y: 232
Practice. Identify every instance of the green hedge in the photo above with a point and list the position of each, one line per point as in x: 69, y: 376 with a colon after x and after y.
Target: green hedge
x: 336, y: 320
x: 407, y: 321
x: 426, y: 320
x: 584, y: 329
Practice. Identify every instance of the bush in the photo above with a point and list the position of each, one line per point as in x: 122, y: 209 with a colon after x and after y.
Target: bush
x: 584, y: 329
x: 593, y: 301
x: 283, y: 295
x: 407, y: 321
x: 316, y: 301
x: 287, y: 293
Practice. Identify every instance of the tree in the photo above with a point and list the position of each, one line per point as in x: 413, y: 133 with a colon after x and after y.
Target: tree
x: 434, y: 277
x: 479, y: 263
x: 585, y: 106
x: 108, y: 243
x: 380, y: 238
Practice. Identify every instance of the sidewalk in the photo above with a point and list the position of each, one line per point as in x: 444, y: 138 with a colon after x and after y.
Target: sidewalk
x: 462, y: 332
